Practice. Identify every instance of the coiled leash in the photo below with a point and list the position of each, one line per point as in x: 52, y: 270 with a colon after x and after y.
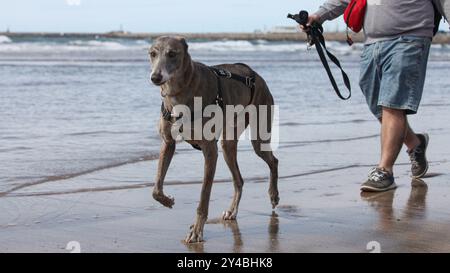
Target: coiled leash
x: 315, y: 37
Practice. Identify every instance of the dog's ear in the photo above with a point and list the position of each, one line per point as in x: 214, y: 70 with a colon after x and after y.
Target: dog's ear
x: 183, y: 42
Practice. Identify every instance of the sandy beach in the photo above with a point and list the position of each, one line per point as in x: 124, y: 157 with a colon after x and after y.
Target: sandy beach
x: 80, y: 147
x: 81, y: 89
x: 321, y: 210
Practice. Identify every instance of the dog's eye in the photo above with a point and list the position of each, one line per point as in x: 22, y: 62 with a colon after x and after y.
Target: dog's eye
x: 172, y: 54
x: 153, y: 54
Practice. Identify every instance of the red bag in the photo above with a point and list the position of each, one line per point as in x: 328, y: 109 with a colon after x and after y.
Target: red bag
x: 354, y: 15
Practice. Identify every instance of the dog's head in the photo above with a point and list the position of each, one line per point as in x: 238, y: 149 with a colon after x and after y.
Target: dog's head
x: 169, y: 56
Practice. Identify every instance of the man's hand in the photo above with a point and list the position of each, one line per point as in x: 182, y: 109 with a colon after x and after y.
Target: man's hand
x: 311, y: 19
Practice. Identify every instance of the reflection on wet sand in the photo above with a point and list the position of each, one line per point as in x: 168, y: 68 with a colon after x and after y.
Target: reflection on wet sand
x: 416, y: 206
x: 382, y: 203
x: 237, y: 236
x: 274, y: 227
x: 238, y: 242
x: 408, y: 227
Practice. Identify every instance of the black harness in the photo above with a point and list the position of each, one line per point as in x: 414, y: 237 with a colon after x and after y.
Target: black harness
x: 223, y: 73
x: 220, y: 73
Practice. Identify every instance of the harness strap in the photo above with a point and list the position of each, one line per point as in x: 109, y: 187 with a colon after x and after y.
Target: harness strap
x: 219, y: 97
x: 252, y: 79
x: 166, y: 114
x: 223, y: 73
x: 319, y: 41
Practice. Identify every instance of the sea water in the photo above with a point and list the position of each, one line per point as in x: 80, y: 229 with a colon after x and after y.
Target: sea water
x: 70, y: 106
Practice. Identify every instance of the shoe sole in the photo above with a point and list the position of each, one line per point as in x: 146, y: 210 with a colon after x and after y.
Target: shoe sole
x: 427, y: 139
x: 373, y: 189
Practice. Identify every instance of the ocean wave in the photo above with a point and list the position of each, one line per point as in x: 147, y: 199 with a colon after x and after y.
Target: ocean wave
x: 268, y: 46
x: 246, y: 46
x: 55, y: 45
x: 74, y: 45
x: 112, y: 45
x: 107, y: 45
x: 4, y: 39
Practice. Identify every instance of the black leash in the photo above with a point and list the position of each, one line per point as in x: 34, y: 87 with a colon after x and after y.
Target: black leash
x: 315, y: 35
x: 319, y: 41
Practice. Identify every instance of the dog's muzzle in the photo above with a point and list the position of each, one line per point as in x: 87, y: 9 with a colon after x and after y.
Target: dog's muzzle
x: 157, y: 79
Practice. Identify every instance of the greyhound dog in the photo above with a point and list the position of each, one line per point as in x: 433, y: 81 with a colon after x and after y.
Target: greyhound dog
x: 180, y: 80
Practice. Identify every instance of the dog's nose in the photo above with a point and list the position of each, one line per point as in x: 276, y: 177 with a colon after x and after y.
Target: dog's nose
x: 156, y: 78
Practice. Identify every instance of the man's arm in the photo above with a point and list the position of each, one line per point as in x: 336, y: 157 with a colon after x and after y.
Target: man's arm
x: 331, y: 10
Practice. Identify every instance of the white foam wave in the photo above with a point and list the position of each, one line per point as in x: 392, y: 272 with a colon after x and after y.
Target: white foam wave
x: 246, y: 46
x: 111, y: 45
x: 76, y: 45
x: 262, y: 45
x: 107, y: 45
x: 6, y: 45
x: 4, y: 39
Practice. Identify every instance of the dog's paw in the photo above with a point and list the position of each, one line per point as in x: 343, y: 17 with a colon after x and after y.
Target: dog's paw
x: 228, y: 215
x: 167, y: 201
x: 194, y: 236
x: 274, y: 200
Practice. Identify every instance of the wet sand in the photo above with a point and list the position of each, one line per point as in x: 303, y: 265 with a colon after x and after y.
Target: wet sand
x: 321, y: 208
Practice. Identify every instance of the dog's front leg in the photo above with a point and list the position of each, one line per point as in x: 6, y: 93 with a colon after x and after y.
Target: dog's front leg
x: 210, y: 154
x: 165, y: 156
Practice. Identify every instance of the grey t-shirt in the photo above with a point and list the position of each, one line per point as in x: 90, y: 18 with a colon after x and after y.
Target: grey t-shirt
x: 388, y: 19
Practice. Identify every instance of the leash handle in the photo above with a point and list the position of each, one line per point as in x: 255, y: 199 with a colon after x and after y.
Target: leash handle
x: 301, y: 18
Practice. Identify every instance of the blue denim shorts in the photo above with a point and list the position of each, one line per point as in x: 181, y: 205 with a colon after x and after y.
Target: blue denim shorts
x: 393, y: 73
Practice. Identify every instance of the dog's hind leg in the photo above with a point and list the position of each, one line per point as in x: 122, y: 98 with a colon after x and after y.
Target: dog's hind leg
x: 272, y: 162
x: 210, y: 154
x: 229, y: 148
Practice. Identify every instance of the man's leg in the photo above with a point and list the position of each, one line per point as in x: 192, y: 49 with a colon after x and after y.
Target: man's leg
x: 411, y: 139
x: 417, y: 147
x: 380, y: 179
x: 393, y: 132
x: 393, y: 135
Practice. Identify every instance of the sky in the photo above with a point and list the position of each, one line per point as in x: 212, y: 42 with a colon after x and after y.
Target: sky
x: 149, y: 15
x: 152, y: 15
